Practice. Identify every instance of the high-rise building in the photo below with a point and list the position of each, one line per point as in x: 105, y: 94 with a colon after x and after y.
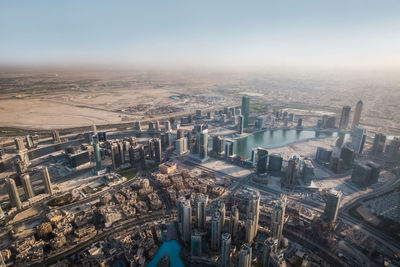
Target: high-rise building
x: 218, y: 145
x: 270, y: 246
x: 157, y: 149
x: 29, y: 141
x: 357, y: 114
x: 299, y: 123
x: 333, y: 199
x: 240, y: 124
x: 138, y: 126
x: 181, y: 146
x: 323, y: 154
x: 291, y: 171
x: 379, y: 144
x: 185, y: 219
x: 226, y: 250
x: 347, y: 155
x: 201, y: 208
x: 245, y: 110
x: 97, y: 154
x: 157, y: 126
x: 345, y: 117
x: 234, y: 222
x: 308, y: 172
x: 13, y: 193
x: 216, y: 229
x: 19, y: 143
x: 393, y: 149
x: 278, y: 218
x: 358, y: 139
x: 253, y: 213
x: 102, y: 136
x: 27, y: 184
x: 250, y: 225
x: 167, y: 126
x: 115, y: 156
x: 228, y: 148
x: 56, y: 137
x: 365, y: 173
x: 275, y: 163
x: 245, y: 256
x: 180, y: 133
x: 259, y: 123
x: 151, y: 126
x: 204, y: 144
x: 262, y: 160
x: 46, y: 181
x: 222, y: 211
x: 195, y: 245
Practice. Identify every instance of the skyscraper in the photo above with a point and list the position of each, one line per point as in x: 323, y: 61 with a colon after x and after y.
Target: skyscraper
x: 19, y: 143
x: 195, y: 245
x: 97, y: 155
x: 185, y: 219
x: 379, y: 144
x: 222, y: 211
x: 270, y: 246
x: 47, y: 181
x: 253, y: 213
x: 204, y: 144
x: 333, y: 199
x: 290, y: 176
x: 216, y: 231
x: 358, y: 139
x: 56, y: 137
x: 278, y: 218
x: 245, y: 110
x: 262, y: 160
x: 357, y: 114
x: 167, y: 126
x: 201, y: 208
x: 234, y: 222
x: 245, y: 256
x: 13, y: 193
x: 115, y: 156
x: 26, y: 183
x: 240, y: 124
x: 345, y: 117
x: 218, y: 145
x: 226, y: 250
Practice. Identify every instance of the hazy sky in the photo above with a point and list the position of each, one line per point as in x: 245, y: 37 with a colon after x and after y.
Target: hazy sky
x: 349, y: 33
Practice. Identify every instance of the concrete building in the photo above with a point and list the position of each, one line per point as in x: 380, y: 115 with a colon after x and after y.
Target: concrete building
x: 240, y: 124
x: 13, y: 193
x: 234, y: 222
x: 393, y: 149
x: 19, y: 144
x: 358, y: 139
x: 245, y: 110
x: 379, y: 144
x: 27, y: 185
x: 250, y: 228
x: 97, y: 154
x: 365, y: 173
x: 56, y: 137
x: 259, y: 123
x: 201, y: 208
x: 299, y: 124
x: 29, y: 141
x: 278, y: 218
x: 185, y: 219
x: 345, y: 117
x: 308, y: 172
x: 167, y: 126
x: 216, y: 229
x: 181, y: 146
x: 218, y: 145
x: 46, y: 181
x: 204, y: 144
x: 323, y: 154
x: 262, y: 160
x: 222, y: 211
x: 275, y: 163
x: 291, y: 173
x: 226, y: 250
x: 228, y: 148
x: 347, y: 155
x: 270, y: 247
x: 357, y: 115
x: 253, y: 214
x: 115, y: 156
x: 245, y: 256
x: 138, y: 126
x: 332, y: 205
x: 195, y: 245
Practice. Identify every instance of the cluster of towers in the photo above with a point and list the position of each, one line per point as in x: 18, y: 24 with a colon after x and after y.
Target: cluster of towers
x: 194, y: 227
x: 28, y: 188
